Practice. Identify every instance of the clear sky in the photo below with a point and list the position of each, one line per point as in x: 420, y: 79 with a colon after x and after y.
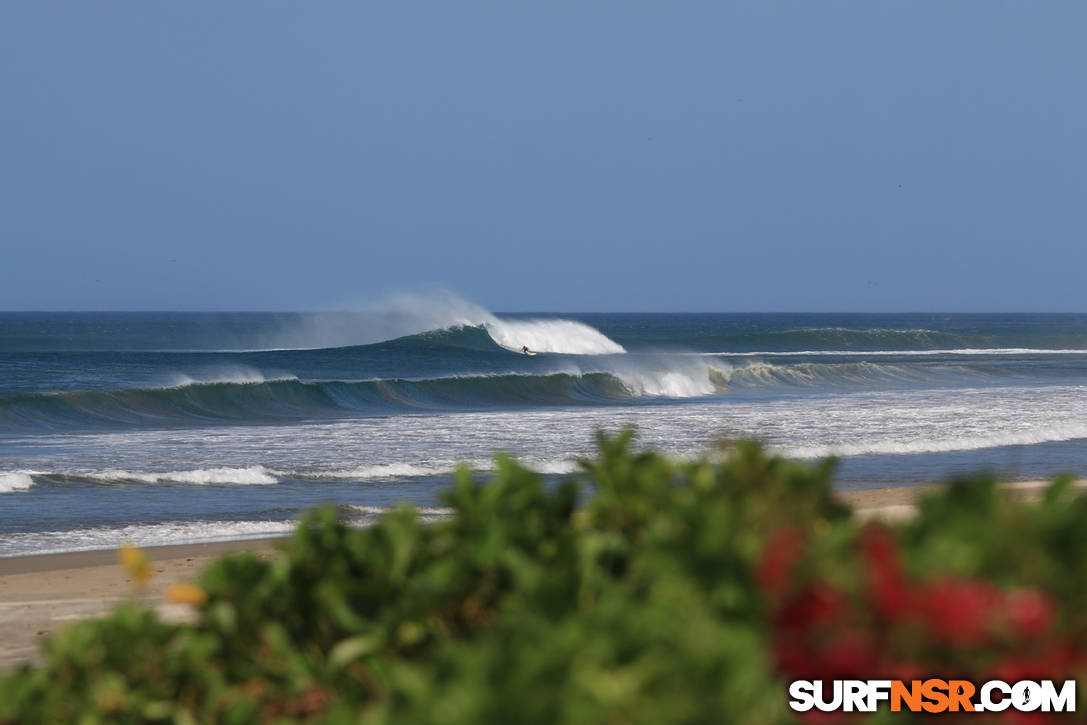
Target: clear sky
x: 665, y: 156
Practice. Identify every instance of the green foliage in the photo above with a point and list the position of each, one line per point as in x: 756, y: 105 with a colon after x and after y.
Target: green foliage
x: 642, y: 591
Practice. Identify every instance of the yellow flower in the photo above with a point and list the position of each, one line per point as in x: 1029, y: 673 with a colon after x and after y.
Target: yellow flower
x: 135, y: 562
x: 186, y: 593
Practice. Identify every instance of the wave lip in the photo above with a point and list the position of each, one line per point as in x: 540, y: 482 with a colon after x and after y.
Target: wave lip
x: 672, y: 383
x: 11, y: 481
x: 232, y: 375
x: 567, y: 337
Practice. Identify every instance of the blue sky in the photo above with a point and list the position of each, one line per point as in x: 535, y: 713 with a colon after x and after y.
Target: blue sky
x: 836, y: 156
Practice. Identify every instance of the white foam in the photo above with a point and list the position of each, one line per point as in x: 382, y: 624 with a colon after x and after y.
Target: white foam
x: 426, y: 514
x: 253, y: 475
x: 260, y: 475
x: 378, y: 471
x: 665, y: 384
x: 555, y: 336
x: 555, y: 467
x: 15, y: 481
x: 236, y: 375
x: 183, y: 532
x: 1047, y: 434
x: 394, y: 470
x: 670, y: 377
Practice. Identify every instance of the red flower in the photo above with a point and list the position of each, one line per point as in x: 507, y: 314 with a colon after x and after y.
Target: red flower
x: 959, y: 610
x: 1029, y: 611
x: 784, y: 547
x: 848, y: 654
x: 817, y: 605
x: 807, y: 618
x: 839, y: 653
x: 792, y: 657
x: 888, y: 587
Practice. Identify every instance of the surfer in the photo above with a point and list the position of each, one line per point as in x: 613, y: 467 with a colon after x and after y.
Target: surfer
x: 525, y: 350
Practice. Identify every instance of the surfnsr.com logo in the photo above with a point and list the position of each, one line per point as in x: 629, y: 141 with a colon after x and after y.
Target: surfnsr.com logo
x: 932, y: 695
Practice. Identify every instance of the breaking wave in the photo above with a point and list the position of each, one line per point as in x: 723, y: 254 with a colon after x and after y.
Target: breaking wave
x: 625, y: 380
x: 380, y: 471
x: 253, y: 475
x: 15, y: 481
x: 556, y: 336
x: 407, y: 315
x: 260, y: 475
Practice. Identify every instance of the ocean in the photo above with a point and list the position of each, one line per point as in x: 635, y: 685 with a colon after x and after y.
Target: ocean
x: 159, y: 428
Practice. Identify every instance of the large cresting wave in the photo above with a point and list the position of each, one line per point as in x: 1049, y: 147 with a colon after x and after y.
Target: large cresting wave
x: 406, y: 314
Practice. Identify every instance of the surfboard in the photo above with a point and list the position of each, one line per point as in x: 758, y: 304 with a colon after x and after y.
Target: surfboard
x: 529, y: 352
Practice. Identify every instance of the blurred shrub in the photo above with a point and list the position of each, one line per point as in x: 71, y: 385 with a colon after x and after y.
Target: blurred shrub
x: 677, y: 593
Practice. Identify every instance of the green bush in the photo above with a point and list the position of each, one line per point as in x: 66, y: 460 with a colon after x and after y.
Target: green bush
x: 641, y: 591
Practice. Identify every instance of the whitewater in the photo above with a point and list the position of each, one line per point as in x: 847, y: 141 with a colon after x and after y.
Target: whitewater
x: 171, y: 427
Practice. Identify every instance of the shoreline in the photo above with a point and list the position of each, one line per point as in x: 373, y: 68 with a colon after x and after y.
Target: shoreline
x: 49, y: 561
x: 40, y: 593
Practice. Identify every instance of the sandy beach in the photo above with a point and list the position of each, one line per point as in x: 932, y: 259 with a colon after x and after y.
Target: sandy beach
x: 39, y: 594
x: 898, y: 502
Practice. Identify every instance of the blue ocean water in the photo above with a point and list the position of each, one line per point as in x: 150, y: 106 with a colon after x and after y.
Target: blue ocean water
x: 176, y: 427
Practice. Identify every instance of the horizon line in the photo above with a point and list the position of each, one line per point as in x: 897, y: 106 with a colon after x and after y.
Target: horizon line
x: 546, y: 312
